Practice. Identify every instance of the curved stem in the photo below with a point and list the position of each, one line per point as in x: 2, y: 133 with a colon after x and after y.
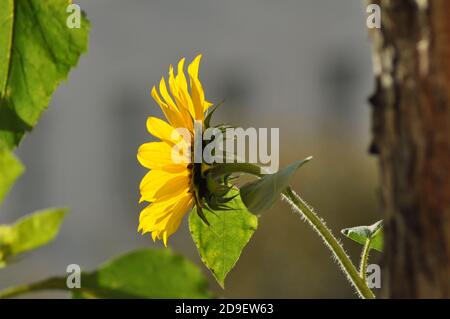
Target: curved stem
x: 50, y: 283
x: 357, y: 280
x: 364, y: 259
x: 315, y: 221
x: 344, y: 261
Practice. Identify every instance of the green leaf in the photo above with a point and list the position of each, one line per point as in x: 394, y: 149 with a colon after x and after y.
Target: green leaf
x: 261, y: 194
x: 360, y: 234
x: 30, y: 232
x: 37, y: 50
x: 10, y: 170
x: 221, y: 243
x: 148, y: 273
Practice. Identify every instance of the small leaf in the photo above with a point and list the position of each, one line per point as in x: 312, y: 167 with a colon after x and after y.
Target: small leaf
x: 260, y: 195
x: 30, y: 232
x: 360, y: 234
x: 10, y: 170
x: 221, y: 243
x: 37, y: 50
x: 145, y: 273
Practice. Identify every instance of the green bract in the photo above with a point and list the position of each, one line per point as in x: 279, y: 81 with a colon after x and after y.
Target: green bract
x: 262, y: 193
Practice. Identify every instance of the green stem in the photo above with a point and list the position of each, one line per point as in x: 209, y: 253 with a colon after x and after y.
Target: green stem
x: 364, y: 259
x: 338, y: 251
x: 47, y: 284
x: 315, y: 221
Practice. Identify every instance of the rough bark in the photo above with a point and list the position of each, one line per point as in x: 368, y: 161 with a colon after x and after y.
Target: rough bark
x: 411, y: 137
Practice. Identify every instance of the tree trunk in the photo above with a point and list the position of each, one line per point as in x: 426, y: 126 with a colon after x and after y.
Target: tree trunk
x: 411, y: 137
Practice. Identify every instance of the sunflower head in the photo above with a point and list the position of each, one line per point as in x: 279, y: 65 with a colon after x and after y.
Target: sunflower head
x: 175, y: 183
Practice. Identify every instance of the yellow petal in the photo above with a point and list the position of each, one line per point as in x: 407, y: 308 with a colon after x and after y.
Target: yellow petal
x: 165, y: 238
x: 174, y: 88
x: 164, y: 218
x: 188, y: 119
x: 165, y: 94
x: 157, y: 210
x: 181, y: 78
x: 186, y: 204
x: 182, y: 100
x: 173, y: 116
x: 174, y: 220
x: 160, y: 155
x: 183, y: 89
x: 194, y: 66
x: 162, y: 130
x: 198, y: 96
x: 151, y: 214
x: 157, y: 177
x: 158, y: 185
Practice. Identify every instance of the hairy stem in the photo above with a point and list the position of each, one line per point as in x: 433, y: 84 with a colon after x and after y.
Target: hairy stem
x: 364, y: 259
x: 338, y: 251
x: 315, y: 221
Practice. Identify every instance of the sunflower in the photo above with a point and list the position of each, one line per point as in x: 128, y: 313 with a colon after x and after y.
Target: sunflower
x: 169, y: 186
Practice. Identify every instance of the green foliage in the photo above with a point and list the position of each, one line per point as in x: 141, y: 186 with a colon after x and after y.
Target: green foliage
x: 221, y: 243
x: 10, y: 170
x: 145, y: 274
x: 37, y: 50
x: 262, y: 193
x: 30, y: 232
x: 361, y: 234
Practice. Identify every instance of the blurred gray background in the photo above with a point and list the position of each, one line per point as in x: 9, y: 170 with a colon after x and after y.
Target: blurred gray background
x: 303, y: 66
